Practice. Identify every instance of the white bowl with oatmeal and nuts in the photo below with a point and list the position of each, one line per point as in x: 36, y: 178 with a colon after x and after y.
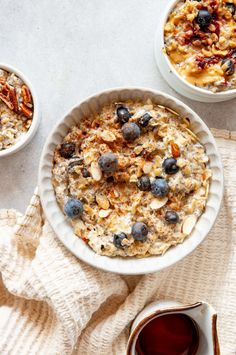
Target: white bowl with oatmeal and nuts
x: 131, y: 180
x: 195, y: 48
x: 19, y: 112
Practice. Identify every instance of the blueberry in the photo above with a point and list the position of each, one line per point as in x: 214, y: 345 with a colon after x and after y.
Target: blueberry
x: 73, y: 208
x: 228, y: 66
x: 85, y: 173
x: 204, y: 18
x: 144, y: 120
x: 143, y: 183
x: 231, y: 7
x: 118, y: 238
x: 170, y: 166
x: 160, y: 187
x: 139, y: 231
x: 130, y: 131
x: 172, y: 217
x: 108, y: 162
x: 123, y: 114
x: 67, y: 150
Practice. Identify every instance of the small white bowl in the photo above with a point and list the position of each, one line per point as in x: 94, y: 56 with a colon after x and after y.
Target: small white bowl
x: 36, y: 116
x: 170, y: 74
x: 63, y: 228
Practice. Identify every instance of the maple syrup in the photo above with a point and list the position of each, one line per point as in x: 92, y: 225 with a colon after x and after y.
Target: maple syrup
x: 170, y: 334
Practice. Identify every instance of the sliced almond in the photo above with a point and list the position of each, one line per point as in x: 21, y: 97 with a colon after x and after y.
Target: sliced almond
x: 192, y: 134
x: 207, y: 190
x: 189, y: 224
x: 104, y: 213
x: 186, y: 121
x: 147, y: 167
x: 133, y: 178
x: 96, y: 172
x: 79, y: 227
x: 102, y: 201
x: 108, y: 136
x: 202, y: 191
x: 138, y: 149
x: 138, y: 114
x: 157, y: 203
x: 172, y: 111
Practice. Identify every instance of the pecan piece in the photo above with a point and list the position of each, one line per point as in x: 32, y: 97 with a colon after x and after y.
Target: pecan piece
x: 13, y: 98
x: 175, y: 150
x: 26, y: 111
x: 26, y: 95
x: 5, y: 90
x: 6, y: 101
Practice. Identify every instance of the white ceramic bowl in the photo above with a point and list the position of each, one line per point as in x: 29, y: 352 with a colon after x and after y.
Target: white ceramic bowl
x: 36, y: 116
x: 171, y: 75
x: 63, y: 228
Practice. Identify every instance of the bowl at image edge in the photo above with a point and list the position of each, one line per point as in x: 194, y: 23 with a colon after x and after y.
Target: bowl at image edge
x: 23, y: 141
x: 61, y: 225
x: 170, y: 74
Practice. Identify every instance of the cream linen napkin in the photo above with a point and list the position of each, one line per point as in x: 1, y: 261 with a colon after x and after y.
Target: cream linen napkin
x: 52, y: 303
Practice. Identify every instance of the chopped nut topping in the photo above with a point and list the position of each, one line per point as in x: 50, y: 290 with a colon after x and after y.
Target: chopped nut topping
x: 26, y: 95
x: 96, y: 172
x: 26, y: 110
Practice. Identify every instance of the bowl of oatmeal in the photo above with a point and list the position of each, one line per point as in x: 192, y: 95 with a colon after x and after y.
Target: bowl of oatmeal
x: 131, y: 180
x: 19, y: 117
x: 195, y: 48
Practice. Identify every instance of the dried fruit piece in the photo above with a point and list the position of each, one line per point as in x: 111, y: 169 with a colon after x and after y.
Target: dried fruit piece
x: 102, y: 201
x: 26, y: 111
x: 67, y: 150
x: 157, y: 203
x: 189, y: 224
x: 26, y: 95
x: 175, y: 150
x: 96, y: 172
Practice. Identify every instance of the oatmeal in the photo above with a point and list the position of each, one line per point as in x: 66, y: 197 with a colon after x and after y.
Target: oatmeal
x: 16, y: 109
x: 133, y: 180
x: 200, y: 40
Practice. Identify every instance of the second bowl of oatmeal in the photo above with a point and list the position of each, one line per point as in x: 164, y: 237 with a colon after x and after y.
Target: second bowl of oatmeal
x: 19, y: 110
x: 131, y: 180
x: 195, y: 48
